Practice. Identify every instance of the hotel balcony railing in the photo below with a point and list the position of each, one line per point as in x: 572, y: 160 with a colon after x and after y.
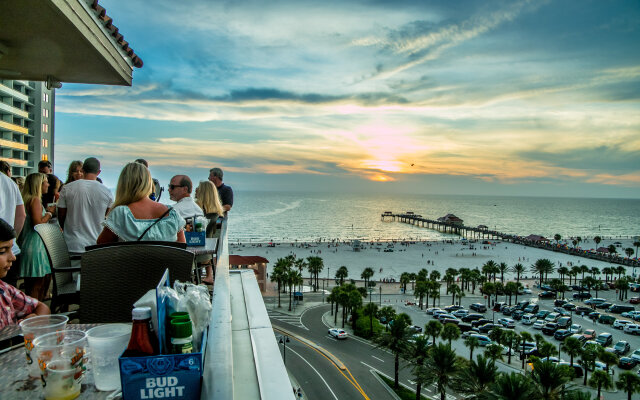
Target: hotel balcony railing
x: 242, y: 359
x: 14, y: 127
x: 14, y: 145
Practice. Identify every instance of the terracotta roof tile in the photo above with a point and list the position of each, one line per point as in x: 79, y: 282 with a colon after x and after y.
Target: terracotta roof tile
x: 108, y: 23
x: 246, y: 260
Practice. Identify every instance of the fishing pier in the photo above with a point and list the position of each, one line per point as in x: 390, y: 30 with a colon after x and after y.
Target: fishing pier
x: 447, y: 224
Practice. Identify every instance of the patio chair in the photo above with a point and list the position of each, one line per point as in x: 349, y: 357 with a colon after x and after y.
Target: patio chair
x: 65, y: 287
x: 115, y: 276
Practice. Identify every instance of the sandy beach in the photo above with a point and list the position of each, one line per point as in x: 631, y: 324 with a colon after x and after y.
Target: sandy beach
x: 415, y: 256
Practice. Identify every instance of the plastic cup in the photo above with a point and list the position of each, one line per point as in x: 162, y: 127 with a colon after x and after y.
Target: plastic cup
x: 106, y: 343
x: 38, y: 326
x: 59, y: 381
x: 66, y: 350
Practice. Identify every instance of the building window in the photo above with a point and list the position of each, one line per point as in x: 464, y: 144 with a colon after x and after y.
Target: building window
x: 45, y: 142
x: 45, y: 97
x: 45, y: 157
x: 45, y: 128
x: 45, y: 112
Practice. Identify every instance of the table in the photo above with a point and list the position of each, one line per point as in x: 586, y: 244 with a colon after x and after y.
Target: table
x: 15, y: 382
x: 210, y: 247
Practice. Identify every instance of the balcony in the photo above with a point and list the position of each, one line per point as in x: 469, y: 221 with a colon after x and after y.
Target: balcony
x: 13, y: 127
x: 14, y: 145
x: 13, y: 93
x: 243, y: 359
x: 15, y: 162
x: 13, y: 110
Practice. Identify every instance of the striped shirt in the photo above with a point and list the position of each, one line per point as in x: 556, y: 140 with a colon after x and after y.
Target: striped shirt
x: 15, y: 305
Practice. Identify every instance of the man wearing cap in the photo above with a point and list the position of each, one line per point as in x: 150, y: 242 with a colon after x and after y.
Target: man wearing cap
x: 82, y: 207
x: 180, y: 191
x: 225, y: 192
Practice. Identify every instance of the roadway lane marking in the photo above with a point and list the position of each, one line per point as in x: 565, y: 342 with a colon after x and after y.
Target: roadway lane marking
x: 392, y: 378
x: 313, y: 368
x: 379, y: 359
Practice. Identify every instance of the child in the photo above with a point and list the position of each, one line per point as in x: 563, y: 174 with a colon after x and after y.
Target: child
x: 15, y: 305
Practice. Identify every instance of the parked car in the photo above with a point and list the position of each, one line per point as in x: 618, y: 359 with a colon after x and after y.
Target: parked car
x: 561, y: 311
x: 578, y: 372
x: 636, y: 355
x: 606, y: 319
x: 564, y: 322
x: 431, y: 310
x: 627, y: 362
x: 594, y: 315
x: 482, y: 339
x: 480, y: 322
x: 604, y: 306
x: 620, y: 308
x: 630, y: 314
x: 559, y: 302
x: 603, y: 367
x: 498, y: 306
x: 464, y: 327
x: 595, y: 301
x: 526, y: 291
x: 591, y: 343
x: 507, y: 322
x: 622, y: 347
x: 561, y: 334
x: 589, y: 334
x: 546, y: 295
x: 620, y: 323
x: 550, y: 328
x: 579, y: 337
x: 507, y: 310
x: 569, y: 306
x: 528, y: 319
x: 552, y: 317
x: 453, y: 308
x: 438, y: 312
x: 532, y: 308
x: 632, y: 329
x: 575, y: 328
x: 472, y: 317
x: 542, y: 314
x: 479, y: 307
x: 460, y: 313
x: 517, y: 315
x: 604, y: 339
x: 634, y: 300
x: 522, y: 305
x: 415, y: 328
x: 442, y: 317
x: 582, y: 310
x: 538, y: 324
x: 581, y: 296
x: 486, y: 328
x: 454, y: 321
x: 338, y: 333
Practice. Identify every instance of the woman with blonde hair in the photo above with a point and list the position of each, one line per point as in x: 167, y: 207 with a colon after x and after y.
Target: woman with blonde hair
x: 34, y: 262
x: 75, y: 171
x: 208, y: 200
x: 134, y: 216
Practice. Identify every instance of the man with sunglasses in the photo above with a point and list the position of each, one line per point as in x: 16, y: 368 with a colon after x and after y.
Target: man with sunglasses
x: 180, y: 191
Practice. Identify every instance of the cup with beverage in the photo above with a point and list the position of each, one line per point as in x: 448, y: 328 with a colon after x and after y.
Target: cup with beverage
x: 61, y: 357
x: 37, y: 326
x: 106, y: 343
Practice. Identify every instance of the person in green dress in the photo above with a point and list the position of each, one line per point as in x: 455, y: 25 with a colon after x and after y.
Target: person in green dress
x: 34, y: 263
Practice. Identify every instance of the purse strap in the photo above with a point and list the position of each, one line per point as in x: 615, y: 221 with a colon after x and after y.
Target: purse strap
x: 154, y: 222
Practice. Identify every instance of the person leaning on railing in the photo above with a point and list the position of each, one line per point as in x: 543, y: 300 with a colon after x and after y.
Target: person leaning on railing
x: 134, y: 216
x: 14, y: 305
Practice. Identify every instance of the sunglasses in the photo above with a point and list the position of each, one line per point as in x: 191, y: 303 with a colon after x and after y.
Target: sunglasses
x: 171, y: 187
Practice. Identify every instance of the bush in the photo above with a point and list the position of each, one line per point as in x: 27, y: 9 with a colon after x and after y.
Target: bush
x: 363, y: 327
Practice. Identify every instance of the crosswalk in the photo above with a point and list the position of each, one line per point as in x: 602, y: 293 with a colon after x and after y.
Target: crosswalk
x: 289, y: 319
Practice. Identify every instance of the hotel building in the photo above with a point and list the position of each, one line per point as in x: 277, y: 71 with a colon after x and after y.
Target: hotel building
x: 27, y: 111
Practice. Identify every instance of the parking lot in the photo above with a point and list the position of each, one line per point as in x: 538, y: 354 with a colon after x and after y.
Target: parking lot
x: 420, y: 318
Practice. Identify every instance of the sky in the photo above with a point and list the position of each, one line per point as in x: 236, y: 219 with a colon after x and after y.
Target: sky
x: 534, y: 98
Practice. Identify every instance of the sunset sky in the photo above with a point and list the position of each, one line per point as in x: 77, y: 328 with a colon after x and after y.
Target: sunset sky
x: 440, y: 97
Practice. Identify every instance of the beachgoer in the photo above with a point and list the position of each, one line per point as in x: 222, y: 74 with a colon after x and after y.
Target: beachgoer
x: 14, y: 304
x: 34, y: 262
x: 12, y: 211
x: 75, y: 171
x: 180, y: 191
x: 135, y: 216
x: 82, y: 207
x: 5, y: 168
x: 225, y: 192
x: 45, y: 167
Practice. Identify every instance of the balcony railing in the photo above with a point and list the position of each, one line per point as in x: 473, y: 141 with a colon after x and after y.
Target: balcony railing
x: 14, y: 145
x: 14, y: 127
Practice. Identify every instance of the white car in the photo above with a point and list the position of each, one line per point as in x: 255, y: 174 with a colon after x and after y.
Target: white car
x: 633, y: 329
x: 460, y: 313
x: 620, y: 323
x: 430, y: 311
x: 338, y: 333
x: 507, y: 322
x: 575, y: 328
x: 538, y: 324
x: 630, y: 314
x: 603, y: 367
x: 636, y: 355
x: 526, y: 291
x: 436, y: 313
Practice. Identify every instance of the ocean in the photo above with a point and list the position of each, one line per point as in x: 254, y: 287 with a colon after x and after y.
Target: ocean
x: 300, y: 216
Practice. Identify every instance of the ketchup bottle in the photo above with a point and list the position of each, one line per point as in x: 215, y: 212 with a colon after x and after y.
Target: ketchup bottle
x: 143, y: 341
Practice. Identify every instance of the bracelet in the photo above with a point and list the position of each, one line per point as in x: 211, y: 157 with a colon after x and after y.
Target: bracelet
x: 50, y: 214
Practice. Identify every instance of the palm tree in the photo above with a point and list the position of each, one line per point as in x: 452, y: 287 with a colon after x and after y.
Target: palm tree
x: 434, y: 276
x: 610, y: 359
x: 388, y: 313
x: 572, y: 347
x: 433, y: 329
x: 404, y: 279
x: 435, y: 292
x: 588, y: 358
x: 473, y: 380
x: 336, y: 295
x: 416, y: 353
x: 502, y: 267
x: 557, y: 237
x: 512, y: 386
x: 583, y: 269
x: 370, y: 310
x: 488, y: 288
x: 471, y: 342
x: 600, y: 379
x: 300, y: 264
x: 293, y: 278
x: 562, y: 271
x: 628, y: 251
x: 422, y: 289
x: 607, y: 271
x: 366, y: 274
x: 454, y: 290
x: 543, y: 266
x: 524, y: 337
x: 279, y: 274
x: 629, y: 383
x: 612, y: 249
x: 510, y: 289
x: 395, y: 341
x: 341, y: 275
x: 620, y: 270
x: 518, y: 269
x: 440, y: 368
x: 637, y: 244
x: 550, y: 379
x: 597, y: 239
x: 450, y: 332
x: 488, y: 268
x: 315, y: 265
x: 509, y: 338
x: 494, y: 351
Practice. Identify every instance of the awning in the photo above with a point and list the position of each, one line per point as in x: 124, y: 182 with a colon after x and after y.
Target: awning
x: 63, y: 41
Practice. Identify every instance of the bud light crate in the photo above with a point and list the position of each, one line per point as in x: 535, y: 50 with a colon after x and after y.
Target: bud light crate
x: 195, y: 238
x: 166, y: 376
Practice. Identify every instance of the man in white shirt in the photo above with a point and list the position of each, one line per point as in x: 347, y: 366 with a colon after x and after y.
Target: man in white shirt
x: 12, y: 211
x: 82, y: 207
x: 180, y: 191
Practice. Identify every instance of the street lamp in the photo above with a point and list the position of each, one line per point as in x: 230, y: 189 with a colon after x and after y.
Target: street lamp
x: 284, y: 340
x: 370, y: 291
x: 380, y: 295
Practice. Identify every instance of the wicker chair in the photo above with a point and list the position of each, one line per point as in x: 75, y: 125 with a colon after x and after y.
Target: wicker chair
x: 65, y: 289
x: 115, y: 276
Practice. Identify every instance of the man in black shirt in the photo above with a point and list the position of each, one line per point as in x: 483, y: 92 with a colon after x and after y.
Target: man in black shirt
x: 225, y: 192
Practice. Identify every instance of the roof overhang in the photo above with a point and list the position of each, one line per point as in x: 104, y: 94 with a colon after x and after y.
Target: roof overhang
x: 62, y: 41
